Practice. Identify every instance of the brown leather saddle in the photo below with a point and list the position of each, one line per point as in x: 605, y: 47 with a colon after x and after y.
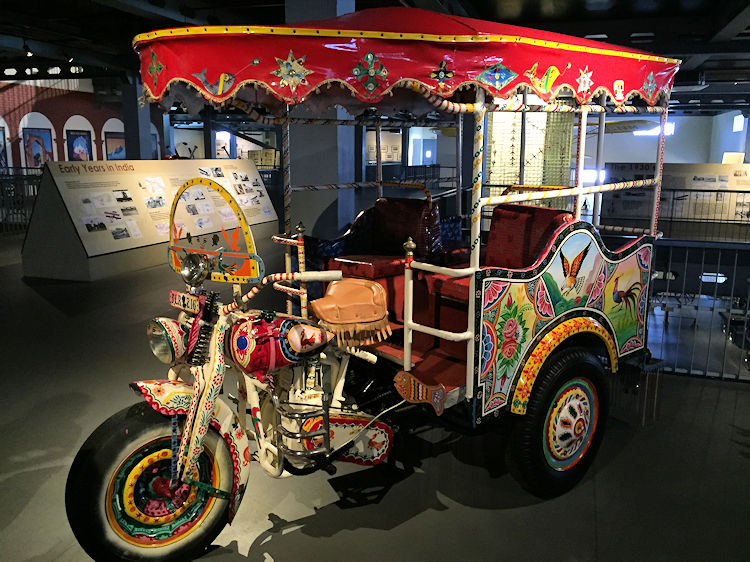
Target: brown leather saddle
x: 355, y: 310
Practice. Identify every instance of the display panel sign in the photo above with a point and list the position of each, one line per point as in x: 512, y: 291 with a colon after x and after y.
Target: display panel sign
x: 121, y: 205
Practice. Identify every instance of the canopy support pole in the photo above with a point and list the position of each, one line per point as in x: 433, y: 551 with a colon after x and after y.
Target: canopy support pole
x: 480, y: 110
x: 459, y: 167
x: 378, y: 162
x: 285, y: 163
x: 659, y: 169
x: 522, y: 146
x: 580, y: 157
x: 596, y: 211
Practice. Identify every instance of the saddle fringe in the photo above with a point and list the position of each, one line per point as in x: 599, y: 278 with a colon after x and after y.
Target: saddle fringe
x: 359, y: 333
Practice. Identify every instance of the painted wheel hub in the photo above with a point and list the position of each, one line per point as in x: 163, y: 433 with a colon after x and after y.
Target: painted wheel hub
x: 570, y: 424
x: 144, y: 510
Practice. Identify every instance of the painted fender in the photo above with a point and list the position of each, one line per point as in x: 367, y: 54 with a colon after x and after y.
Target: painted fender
x: 545, y: 347
x: 173, y: 398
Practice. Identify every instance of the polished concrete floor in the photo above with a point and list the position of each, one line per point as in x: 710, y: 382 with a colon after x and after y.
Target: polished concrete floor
x: 676, y: 490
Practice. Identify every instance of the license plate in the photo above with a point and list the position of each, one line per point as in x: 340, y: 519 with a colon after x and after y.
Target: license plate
x: 184, y: 301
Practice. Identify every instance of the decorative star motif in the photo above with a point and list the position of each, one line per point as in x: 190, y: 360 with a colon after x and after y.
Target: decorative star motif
x: 442, y: 74
x: 292, y: 72
x: 584, y: 80
x: 155, y: 67
x: 372, y: 68
x: 649, y: 84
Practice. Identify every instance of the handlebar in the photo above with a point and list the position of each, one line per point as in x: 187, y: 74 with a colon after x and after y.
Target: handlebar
x: 307, y: 276
x: 304, y: 277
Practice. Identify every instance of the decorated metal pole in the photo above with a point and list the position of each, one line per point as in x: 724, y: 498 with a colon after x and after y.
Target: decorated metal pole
x: 459, y: 167
x: 659, y: 170
x: 476, y: 224
x: 599, y: 160
x: 301, y: 267
x: 409, y: 247
x: 580, y: 157
x: 286, y: 169
x: 522, y: 144
x: 378, y: 162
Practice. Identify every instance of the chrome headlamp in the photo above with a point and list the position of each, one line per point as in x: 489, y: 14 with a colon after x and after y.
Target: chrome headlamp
x: 167, y: 339
x: 194, y: 269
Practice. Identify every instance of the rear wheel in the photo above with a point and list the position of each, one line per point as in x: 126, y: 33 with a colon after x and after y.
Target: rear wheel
x: 118, y: 499
x: 555, y: 442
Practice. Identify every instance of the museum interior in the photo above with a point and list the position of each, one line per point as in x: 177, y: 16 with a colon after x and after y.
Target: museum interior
x: 573, y: 178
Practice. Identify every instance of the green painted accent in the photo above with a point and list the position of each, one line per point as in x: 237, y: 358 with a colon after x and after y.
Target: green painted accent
x: 155, y: 67
x: 369, y: 71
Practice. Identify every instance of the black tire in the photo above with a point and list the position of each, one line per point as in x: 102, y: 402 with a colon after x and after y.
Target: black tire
x: 554, y: 443
x: 94, y: 494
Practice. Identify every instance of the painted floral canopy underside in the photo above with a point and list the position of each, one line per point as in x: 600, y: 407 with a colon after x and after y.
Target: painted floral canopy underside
x: 374, y: 53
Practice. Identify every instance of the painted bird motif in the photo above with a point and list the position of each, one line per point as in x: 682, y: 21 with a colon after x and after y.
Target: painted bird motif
x: 223, y: 84
x: 627, y: 298
x: 570, y: 271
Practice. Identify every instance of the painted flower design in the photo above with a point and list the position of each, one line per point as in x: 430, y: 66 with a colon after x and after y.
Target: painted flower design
x: 508, y: 348
x: 158, y: 391
x: 511, y: 334
x: 441, y: 74
x: 493, y: 291
x: 510, y: 331
x: 543, y: 304
x: 598, y: 287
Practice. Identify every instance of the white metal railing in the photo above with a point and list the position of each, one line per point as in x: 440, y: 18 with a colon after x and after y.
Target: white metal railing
x: 411, y: 326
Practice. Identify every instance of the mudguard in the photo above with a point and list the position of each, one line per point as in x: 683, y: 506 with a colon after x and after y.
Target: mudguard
x: 544, y: 348
x: 173, y: 398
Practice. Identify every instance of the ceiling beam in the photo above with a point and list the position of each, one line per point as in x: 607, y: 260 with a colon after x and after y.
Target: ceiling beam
x: 170, y: 11
x: 58, y: 53
x: 738, y: 47
x: 729, y: 31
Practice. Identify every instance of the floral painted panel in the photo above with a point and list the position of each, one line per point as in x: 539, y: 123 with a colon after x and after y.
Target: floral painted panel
x: 577, y: 276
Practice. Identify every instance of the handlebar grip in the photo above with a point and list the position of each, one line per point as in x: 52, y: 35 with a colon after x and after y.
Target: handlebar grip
x: 307, y: 276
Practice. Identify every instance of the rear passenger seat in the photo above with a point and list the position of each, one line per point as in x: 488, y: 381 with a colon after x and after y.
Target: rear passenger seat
x: 518, y: 236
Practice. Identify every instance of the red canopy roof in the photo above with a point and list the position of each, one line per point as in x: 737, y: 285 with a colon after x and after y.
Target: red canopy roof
x: 371, y: 52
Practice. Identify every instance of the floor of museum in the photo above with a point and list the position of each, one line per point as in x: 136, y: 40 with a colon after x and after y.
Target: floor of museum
x: 677, y: 490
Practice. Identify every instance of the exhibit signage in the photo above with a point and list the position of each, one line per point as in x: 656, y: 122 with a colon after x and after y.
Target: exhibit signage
x: 121, y: 205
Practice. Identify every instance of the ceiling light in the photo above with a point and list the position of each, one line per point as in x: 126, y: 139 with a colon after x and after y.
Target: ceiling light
x: 28, y: 51
x: 668, y: 131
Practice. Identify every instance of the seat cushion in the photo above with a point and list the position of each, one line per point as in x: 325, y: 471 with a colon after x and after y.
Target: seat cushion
x: 368, y: 267
x: 519, y: 234
x: 454, y: 288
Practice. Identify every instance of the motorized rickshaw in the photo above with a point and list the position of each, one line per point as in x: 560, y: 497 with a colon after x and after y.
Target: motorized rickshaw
x: 525, y: 324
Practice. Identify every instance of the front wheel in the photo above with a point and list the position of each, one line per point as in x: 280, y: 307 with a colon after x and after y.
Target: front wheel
x: 118, y: 499
x: 553, y: 444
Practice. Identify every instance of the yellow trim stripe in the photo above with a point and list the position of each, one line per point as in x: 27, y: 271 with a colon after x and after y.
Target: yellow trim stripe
x: 351, y: 33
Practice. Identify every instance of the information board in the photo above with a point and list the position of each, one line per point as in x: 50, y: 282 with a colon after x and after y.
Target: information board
x: 125, y: 204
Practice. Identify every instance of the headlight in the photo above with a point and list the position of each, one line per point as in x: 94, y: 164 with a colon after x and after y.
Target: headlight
x: 194, y: 269
x: 166, y: 338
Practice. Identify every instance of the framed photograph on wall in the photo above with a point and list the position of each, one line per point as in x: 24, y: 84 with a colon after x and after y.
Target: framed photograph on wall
x: 79, y: 145
x: 114, y: 146
x: 37, y: 146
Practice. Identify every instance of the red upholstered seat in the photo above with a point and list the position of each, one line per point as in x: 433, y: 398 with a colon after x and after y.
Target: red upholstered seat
x: 455, y: 288
x: 369, y: 267
x: 518, y: 236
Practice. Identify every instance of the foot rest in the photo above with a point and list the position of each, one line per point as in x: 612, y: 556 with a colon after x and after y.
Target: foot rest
x: 416, y: 392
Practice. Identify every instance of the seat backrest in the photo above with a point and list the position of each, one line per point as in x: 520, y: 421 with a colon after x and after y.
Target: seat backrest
x: 397, y: 219
x: 519, y: 234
